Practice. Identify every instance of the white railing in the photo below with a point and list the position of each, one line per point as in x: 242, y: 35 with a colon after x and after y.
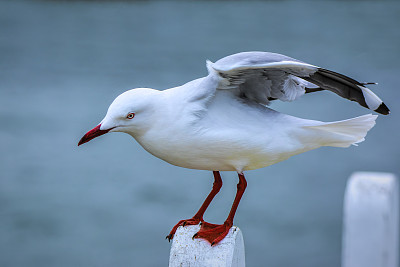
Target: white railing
x: 370, y: 230
x: 198, y: 253
x: 371, y: 221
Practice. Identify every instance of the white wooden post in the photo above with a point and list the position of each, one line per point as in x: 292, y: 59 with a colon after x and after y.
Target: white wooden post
x: 199, y: 253
x: 371, y: 221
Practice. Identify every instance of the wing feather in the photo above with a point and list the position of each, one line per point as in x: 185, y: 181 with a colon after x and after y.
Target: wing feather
x: 263, y: 76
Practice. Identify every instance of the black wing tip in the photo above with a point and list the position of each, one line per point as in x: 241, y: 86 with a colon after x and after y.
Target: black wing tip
x: 383, y: 109
x: 369, y: 83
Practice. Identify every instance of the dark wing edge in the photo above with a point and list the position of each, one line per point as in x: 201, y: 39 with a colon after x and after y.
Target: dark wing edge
x: 346, y: 87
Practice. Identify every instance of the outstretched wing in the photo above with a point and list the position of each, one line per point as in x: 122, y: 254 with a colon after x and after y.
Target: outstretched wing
x: 263, y: 76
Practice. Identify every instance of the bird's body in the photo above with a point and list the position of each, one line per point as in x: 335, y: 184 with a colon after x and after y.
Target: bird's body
x: 221, y: 122
x: 226, y: 134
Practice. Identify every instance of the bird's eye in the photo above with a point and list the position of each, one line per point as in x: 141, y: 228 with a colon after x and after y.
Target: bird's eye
x: 130, y: 116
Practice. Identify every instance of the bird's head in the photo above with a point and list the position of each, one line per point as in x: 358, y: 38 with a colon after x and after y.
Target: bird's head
x: 131, y: 112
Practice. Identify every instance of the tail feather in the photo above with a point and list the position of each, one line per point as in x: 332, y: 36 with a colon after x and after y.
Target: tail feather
x: 345, y: 133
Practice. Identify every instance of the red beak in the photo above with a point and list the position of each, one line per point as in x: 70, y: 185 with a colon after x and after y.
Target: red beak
x: 95, y: 132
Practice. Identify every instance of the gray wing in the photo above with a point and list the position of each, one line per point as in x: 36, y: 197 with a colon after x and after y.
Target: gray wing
x: 263, y: 76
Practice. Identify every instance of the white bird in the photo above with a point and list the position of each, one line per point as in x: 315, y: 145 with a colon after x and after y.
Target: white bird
x: 221, y: 122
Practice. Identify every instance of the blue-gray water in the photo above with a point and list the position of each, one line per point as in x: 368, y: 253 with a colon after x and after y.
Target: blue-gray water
x: 110, y: 203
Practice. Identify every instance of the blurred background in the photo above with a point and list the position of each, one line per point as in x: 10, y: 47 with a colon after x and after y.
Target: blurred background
x: 110, y: 203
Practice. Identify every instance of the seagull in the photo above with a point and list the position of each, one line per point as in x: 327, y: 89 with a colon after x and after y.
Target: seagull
x: 222, y: 122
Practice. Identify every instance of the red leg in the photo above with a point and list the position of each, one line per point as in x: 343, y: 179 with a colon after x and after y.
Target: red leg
x: 198, y: 217
x: 215, y: 233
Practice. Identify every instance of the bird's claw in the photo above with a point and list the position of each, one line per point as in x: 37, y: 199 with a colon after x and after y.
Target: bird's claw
x: 213, y: 233
x: 194, y: 236
x: 183, y: 223
x: 169, y: 237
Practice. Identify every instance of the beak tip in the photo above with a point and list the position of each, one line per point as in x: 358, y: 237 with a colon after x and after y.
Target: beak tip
x: 95, y: 132
x: 83, y: 140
